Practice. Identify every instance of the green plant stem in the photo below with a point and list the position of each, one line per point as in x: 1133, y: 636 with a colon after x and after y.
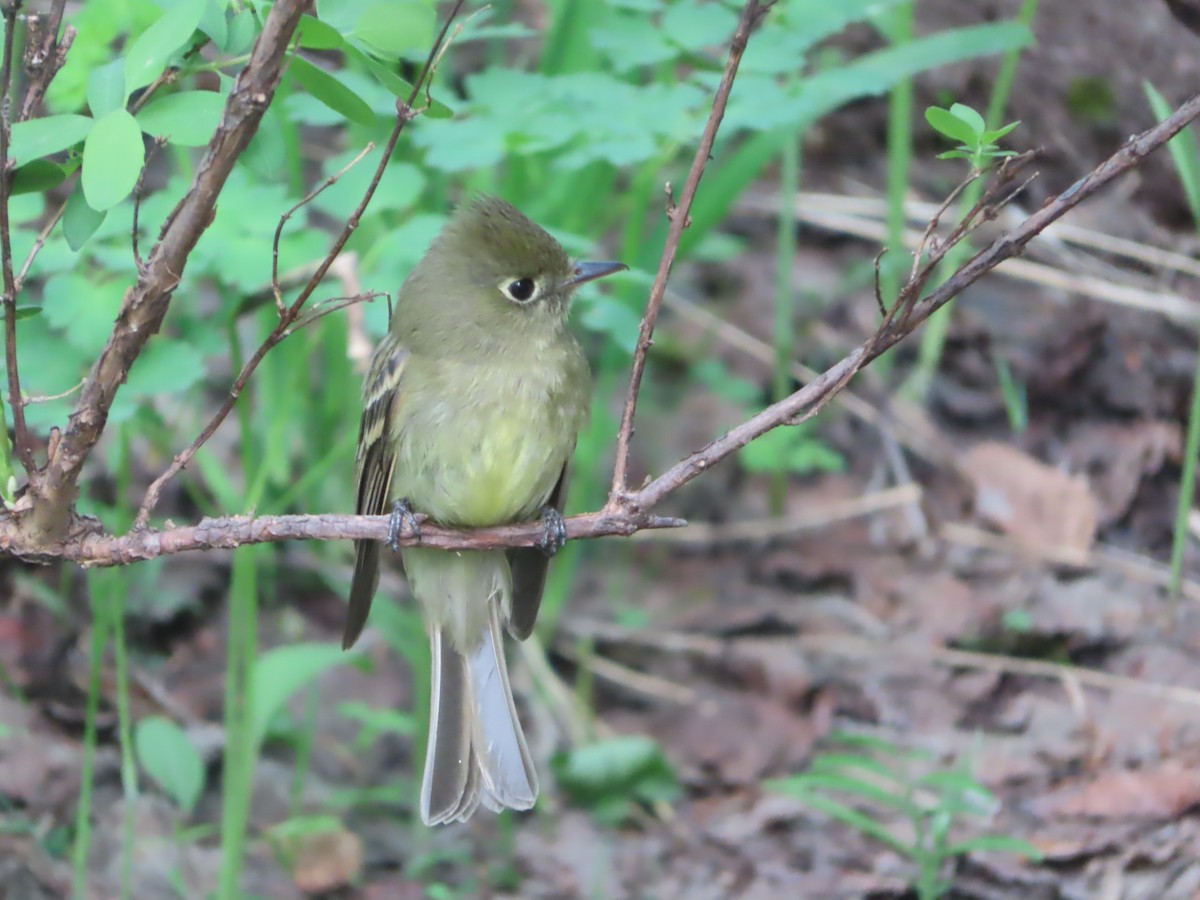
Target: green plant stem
x: 899, y: 153
x: 242, y: 646
x: 1185, y: 153
x: 785, y: 301
x: 933, y: 337
x: 116, y: 585
x: 304, y: 748
x: 87, y: 774
x: 239, y: 756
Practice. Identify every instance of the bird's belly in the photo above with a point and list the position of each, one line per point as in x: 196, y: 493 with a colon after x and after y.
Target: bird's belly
x: 475, y: 465
x: 508, y: 477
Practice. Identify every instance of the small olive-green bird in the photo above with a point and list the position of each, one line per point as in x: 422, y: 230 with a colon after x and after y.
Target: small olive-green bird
x: 471, y: 409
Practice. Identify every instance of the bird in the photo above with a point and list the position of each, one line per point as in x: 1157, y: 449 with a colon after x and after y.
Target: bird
x: 472, y: 405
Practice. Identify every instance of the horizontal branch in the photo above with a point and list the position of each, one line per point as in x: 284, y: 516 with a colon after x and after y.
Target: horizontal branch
x: 89, y: 546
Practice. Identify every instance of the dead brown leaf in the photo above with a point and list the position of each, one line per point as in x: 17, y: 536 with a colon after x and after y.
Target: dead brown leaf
x: 1116, y: 456
x: 1040, y: 506
x: 1157, y: 793
x: 325, y: 860
x: 739, y: 737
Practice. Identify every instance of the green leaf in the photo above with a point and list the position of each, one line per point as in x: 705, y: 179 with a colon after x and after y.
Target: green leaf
x: 113, y: 156
x: 969, y: 117
x: 171, y: 759
x: 39, y: 176
x: 41, y: 137
x: 394, y: 83
x: 164, y: 368
x: 267, y: 151
x: 696, y: 27
x: 950, y: 125
x: 187, y: 119
x: 790, y: 449
x: 243, y: 29
x: 330, y: 91
x: 305, y: 826
x: 799, y: 785
x: 607, y: 315
x: 377, y: 721
x: 834, y: 762
x: 82, y: 309
x: 848, y: 815
x: 28, y: 312
x: 1184, y: 149
x: 317, y: 35
x: 630, y: 42
x: 991, y: 137
x: 106, y: 88
x: 394, y: 27
x: 149, y: 54
x: 214, y: 24
x: 281, y: 672
x: 608, y: 774
x: 80, y: 221
x: 995, y: 843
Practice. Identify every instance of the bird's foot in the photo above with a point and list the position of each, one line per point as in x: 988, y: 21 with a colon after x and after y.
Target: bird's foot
x: 554, y: 531
x: 402, y: 514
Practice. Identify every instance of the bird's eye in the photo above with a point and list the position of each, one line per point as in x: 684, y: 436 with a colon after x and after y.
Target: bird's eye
x: 520, y: 289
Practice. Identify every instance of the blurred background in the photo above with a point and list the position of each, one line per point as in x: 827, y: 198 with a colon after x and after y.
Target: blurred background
x: 939, y: 641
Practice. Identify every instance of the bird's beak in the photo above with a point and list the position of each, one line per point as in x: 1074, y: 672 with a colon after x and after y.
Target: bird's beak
x: 590, y: 271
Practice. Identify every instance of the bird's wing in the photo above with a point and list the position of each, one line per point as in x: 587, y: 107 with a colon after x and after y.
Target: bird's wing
x: 529, y: 565
x: 383, y: 392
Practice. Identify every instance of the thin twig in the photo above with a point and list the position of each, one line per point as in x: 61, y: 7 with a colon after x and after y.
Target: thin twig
x: 704, y: 534
x: 850, y: 646
x: 38, y: 244
x: 678, y: 213
x: 1099, y: 557
x: 333, y: 304
x: 47, y: 398
x: 865, y: 648
x: 283, y: 220
x: 404, y: 114
x: 155, y: 146
x: 22, y: 441
x: 627, y: 678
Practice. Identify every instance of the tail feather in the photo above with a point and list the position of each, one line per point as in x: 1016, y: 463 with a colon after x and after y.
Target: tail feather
x: 476, y: 751
x: 449, y: 789
x: 507, y: 773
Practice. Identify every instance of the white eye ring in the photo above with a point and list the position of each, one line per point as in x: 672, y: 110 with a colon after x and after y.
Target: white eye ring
x: 522, y: 290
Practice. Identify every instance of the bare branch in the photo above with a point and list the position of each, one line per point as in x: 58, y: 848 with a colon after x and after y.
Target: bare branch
x: 22, y: 442
x: 678, y: 213
x: 89, y: 546
x: 44, y: 55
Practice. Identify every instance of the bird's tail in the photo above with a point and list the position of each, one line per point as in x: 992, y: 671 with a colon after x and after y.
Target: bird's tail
x: 476, y: 752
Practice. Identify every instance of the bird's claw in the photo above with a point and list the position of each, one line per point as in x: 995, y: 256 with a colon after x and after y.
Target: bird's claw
x: 554, y: 531
x: 402, y: 514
